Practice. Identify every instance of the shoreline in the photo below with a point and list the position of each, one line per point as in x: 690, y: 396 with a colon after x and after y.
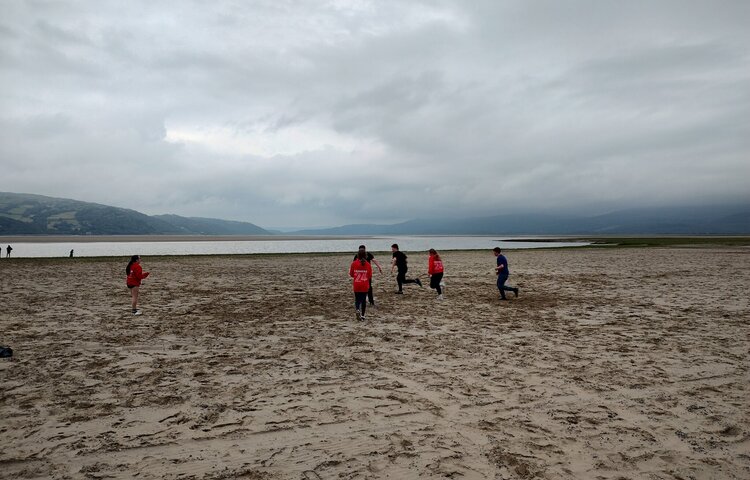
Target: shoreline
x: 167, y: 238
x: 594, y: 239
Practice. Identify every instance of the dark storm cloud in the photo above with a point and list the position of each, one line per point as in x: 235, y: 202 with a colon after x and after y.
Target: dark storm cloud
x: 300, y: 113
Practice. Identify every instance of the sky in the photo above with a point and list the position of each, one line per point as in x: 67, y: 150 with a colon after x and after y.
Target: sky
x: 323, y: 113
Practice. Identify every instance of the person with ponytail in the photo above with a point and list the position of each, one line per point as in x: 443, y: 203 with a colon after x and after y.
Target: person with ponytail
x: 361, y: 272
x: 435, y: 272
x: 135, y: 274
x: 369, y: 258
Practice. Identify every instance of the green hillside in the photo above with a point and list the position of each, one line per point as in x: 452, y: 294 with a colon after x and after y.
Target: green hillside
x: 25, y: 214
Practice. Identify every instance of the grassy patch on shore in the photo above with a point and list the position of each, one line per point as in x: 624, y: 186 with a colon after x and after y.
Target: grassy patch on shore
x: 668, y: 241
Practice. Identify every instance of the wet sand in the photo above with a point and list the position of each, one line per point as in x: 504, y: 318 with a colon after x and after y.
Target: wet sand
x: 612, y: 364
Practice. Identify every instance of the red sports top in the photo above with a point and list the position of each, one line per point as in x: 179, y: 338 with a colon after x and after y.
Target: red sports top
x: 434, y: 266
x: 136, y: 275
x: 361, y: 275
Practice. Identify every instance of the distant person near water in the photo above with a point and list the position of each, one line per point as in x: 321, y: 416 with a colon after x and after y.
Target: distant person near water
x: 369, y: 258
x: 503, y: 272
x: 135, y: 275
x: 361, y: 272
x: 71, y: 253
x: 7, y: 251
x: 435, y: 270
x: 399, y: 262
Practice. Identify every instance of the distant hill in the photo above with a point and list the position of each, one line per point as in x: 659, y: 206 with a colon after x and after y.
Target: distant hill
x: 715, y: 220
x: 25, y: 214
x: 212, y: 226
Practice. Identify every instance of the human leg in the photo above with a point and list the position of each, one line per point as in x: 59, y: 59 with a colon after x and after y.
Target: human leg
x: 358, y: 305
x: 401, y: 279
x: 501, y: 279
x: 435, y: 280
x: 360, y: 302
x: 134, y: 298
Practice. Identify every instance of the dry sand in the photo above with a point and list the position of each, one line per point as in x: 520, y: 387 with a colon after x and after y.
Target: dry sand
x: 612, y: 364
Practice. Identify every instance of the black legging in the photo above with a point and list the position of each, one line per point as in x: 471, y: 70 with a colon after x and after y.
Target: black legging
x: 370, y: 296
x: 360, y: 301
x: 435, y: 282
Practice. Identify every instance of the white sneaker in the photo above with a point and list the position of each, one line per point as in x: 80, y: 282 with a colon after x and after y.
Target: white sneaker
x: 362, y: 318
x: 440, y: 297
x: 359, y: 315
x: 137, y: 312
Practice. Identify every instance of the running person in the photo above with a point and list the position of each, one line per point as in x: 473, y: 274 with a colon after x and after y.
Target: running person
x: 133, y: 281
x: 502, y: 272
x: 399, y: 262
x: 435, y: 271
x: 361, y: 273
x: 370, y: 258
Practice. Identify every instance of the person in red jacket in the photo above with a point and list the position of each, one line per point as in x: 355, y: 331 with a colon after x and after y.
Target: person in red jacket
x: 133, y: 281
x: 435, y: 271
x: 361, y: 272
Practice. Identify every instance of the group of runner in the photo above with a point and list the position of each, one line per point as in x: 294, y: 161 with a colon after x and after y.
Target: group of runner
x: 361, y: 272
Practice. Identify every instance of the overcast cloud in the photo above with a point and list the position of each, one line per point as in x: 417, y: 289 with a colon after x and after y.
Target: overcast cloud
x: 302, y: 113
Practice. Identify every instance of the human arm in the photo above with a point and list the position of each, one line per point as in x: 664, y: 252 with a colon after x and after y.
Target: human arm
x: 138, y: 273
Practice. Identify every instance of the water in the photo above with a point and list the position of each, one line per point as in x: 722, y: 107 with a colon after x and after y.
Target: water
x: 236, y: 247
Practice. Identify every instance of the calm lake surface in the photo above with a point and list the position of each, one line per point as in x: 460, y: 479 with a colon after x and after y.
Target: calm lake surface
x: 90, y: 248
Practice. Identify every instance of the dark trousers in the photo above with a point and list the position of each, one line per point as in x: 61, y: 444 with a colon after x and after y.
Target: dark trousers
x: 435, y: 282
x: 360, y: 301
x: 401, y: 279
x: 501, y: 279
x: 370, y: 296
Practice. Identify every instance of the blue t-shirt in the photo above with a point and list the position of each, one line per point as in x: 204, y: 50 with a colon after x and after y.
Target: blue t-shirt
x: 501, y: 260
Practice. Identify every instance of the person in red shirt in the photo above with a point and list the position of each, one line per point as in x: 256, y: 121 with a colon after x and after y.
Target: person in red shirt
x: 361, y: 272
x: 435, y: 271
x: 133, y: 281
x: 370, y: 258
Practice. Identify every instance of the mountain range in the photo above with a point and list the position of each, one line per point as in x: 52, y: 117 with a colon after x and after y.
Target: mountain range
x: 26, y: 214
x: 700, y: 220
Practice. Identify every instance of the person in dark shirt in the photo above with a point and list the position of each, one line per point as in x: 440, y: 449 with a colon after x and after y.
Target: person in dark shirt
x: 370, y: 258
x: 399, y: 262
x: 8, y: 250
x: 503, y: 272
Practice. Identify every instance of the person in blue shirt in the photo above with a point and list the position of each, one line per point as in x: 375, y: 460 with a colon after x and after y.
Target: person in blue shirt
x: 503, y: 272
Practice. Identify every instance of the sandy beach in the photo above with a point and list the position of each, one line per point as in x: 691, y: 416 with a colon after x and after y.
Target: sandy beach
x: 611, y: 364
